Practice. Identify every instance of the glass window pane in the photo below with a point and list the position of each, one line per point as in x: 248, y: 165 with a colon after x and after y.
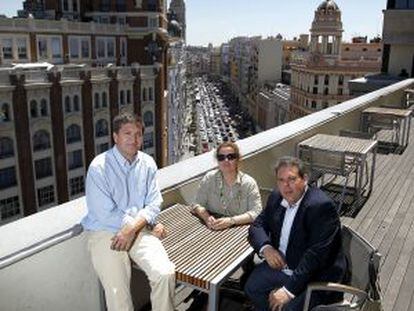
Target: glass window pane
x: 22, y: 48
x: 7, y: 45
x: 74, y: 47
x: 42, y: 46
x: 111, y: 48
x: 85, y: 48
x: 101, y: 48
x: 56, y: 49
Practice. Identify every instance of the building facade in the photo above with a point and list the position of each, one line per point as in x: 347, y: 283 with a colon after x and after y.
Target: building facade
x: 398, y: 36
x: 320, y: 77
x: 63, y: 77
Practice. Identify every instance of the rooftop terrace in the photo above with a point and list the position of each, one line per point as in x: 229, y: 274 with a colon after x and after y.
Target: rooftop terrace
x: 37, y: 273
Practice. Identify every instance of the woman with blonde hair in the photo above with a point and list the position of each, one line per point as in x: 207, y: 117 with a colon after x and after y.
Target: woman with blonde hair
x: 226, y: 196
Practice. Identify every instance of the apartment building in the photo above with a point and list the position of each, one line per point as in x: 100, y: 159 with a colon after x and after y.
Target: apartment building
x: 66, y: 69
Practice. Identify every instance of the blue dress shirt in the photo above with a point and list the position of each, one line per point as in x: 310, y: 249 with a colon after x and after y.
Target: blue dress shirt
x: 119, y: 192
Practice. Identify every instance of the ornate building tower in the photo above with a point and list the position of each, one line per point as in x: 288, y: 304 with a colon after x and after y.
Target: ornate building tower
x: 326, y: 31
x: 178, y: 8
x: 320, y: 77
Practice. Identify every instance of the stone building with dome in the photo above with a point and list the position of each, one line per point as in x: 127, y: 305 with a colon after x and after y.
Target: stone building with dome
x: 320, y: 76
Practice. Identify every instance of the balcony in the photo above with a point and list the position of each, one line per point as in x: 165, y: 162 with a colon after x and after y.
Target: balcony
x: 44, y: 267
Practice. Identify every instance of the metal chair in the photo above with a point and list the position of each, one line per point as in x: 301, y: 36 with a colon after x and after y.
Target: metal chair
x: 329, y: 162
x: 363, y: 273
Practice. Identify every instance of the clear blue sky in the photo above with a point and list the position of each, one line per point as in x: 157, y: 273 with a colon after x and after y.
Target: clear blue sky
x: 217, y: 21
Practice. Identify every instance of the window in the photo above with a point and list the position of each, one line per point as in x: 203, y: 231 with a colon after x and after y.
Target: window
x: 153, y: 22
x: 76, y: 106
x: 46, y: 195
x: 49, y: 47
x: 33, y: 109
x: 111, y: 48
x: 315, y: 90
x: 41, y: 140
x: 73, y: 134
x: 102, y: 148
x: 7, y: 45
x: 150, y: 94
x: 326, y: 80
x: 5, y: 113
x: 128, y: 99
x: 326, y: 91
x: 148, y: 119
x: 65, y: 5
x: 8, y: 177
x: 43, y: 108
x: 97, y: 104
x: 85, y: 49
x: 74, y: 47
x: 123, y: 47
x: 104, y: 100
x: 22, y: 48
x: 106, y: 47
x: 75, y: 159
x: 42, y: 47
x: 68, y: 107
x: 105, y: 5
x: 122, y: 98
x: 313, y: 105
x: 101, y: 48
x: 9, y: 207
x: 77, y: 185
x: 120, y: 6
x: 43, y: 168
x: 152, y: 5
x: 56, y: 48
x: 101, y: 128
x: 148, y: 140
x: 74, y: 5
x: 341, y: 80
x: 144, y: 94
x: 340, y: 91
x: 6, y: 148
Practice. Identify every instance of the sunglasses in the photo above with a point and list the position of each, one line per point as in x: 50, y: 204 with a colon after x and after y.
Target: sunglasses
x: 230, y: 157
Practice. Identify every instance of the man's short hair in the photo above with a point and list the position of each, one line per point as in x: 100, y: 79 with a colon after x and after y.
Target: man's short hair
x: 125, y: 118
x: 291, y: 161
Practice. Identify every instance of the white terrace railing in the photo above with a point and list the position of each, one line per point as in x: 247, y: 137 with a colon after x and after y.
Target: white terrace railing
x: 44, y: 264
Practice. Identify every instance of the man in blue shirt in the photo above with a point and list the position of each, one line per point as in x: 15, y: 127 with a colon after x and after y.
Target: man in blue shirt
x: 122, y: 197
x: 299, y: 236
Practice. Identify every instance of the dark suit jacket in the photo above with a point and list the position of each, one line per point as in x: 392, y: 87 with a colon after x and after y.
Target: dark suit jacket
x: 314, y: 248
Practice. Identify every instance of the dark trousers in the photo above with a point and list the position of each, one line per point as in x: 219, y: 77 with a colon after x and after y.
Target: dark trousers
x: 264, y: 279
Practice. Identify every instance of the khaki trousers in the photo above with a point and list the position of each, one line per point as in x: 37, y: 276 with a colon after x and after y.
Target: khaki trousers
x: 114, y: 270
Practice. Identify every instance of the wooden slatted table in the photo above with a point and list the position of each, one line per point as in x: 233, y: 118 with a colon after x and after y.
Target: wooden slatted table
x: 203, y: 258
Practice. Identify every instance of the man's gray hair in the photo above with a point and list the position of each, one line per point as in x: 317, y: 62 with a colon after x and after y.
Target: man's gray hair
x: 291, y: 161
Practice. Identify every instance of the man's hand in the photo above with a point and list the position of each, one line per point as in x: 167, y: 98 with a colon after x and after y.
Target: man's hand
x: 123, y: 240
x: 278, y: 298
x: 159, y: 231
x: 273, y: 258
x: 222, y: 223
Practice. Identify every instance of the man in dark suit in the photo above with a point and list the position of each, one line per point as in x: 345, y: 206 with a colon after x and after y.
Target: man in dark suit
x: 299, y: 236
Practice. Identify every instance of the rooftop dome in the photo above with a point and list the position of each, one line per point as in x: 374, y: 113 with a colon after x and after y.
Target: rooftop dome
x: 328, y: 5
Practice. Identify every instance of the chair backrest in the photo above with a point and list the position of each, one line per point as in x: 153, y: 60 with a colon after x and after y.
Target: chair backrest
x: 362, y: 258
x: 330, y: 162
x: 356, y: 134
